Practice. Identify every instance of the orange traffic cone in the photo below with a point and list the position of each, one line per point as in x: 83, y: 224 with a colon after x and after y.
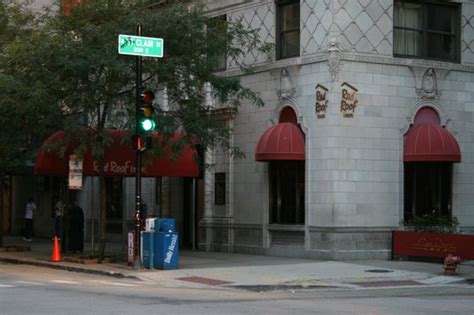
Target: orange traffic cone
x: 56, y: 256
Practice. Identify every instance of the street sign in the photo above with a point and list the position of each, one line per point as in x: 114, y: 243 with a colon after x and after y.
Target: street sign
x: 140, y: 46
x: 75, y: 172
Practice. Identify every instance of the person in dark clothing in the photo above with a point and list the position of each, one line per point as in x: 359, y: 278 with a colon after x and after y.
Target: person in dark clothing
x: 76, y: 230
x: 29, y: 212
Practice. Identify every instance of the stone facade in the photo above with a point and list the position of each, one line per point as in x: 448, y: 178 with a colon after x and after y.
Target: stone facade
x: 354, y: 163
x: 354, y: 170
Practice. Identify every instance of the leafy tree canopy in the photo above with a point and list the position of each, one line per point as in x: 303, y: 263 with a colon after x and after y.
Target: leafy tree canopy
x: 67, y: 65
x: 26, y: 114
x: 59, y: 68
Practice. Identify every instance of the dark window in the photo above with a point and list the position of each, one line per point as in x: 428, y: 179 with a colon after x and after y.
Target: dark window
x: 427, y: 189
x: 288, y: 29
x: 219, y: 188
x: 114, y: 188
x: 159, y: 191
x: 427, y: 29
x: 217, y: 32
x: 286, y: 192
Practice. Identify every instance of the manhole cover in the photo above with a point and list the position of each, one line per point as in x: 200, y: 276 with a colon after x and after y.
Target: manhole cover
x: 379, y: 270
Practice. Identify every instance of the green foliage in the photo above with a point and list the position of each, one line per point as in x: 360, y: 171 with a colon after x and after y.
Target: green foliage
x: 433, y: 223
x: 26, y: 116
x: 60, y: 71
x: 70, y: 68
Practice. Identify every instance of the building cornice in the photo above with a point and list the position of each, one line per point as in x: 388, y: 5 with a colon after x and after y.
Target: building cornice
x: 353, y: 57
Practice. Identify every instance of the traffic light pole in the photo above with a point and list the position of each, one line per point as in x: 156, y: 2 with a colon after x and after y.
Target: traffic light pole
x: 138, y: 164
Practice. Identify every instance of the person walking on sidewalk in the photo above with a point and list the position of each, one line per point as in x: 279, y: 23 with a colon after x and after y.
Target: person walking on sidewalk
x: 57, y: 214
x: 76, y: 230
x: 29, y: 211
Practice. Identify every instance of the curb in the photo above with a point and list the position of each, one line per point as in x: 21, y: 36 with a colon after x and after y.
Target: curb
x: 36, y: 263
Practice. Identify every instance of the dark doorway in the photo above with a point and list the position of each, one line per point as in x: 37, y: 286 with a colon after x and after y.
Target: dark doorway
x: 114, y: 193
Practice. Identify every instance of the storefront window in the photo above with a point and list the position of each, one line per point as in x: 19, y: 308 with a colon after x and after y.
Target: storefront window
x: 428, y: 189
x: 286, y: 192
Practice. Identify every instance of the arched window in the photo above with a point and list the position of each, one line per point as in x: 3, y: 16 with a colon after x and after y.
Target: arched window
x: 282, y: 146
x: 429, y: 153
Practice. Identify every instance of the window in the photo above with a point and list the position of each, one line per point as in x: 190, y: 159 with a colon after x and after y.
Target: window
x: 217, y: 31
x: 428, y: 189
x: 219, y: 188
x: 288, y: 29
x: 286, y: 192
x: 427, y: 29
x: 114, y: 188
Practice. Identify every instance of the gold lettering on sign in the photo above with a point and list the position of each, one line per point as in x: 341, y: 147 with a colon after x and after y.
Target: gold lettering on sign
x: 436, y: 245
x: 349, y: 100
x: 321, y: 101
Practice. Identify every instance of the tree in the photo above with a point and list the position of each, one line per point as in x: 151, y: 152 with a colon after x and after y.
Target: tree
x: 72, y: 60
x: 26, y: 113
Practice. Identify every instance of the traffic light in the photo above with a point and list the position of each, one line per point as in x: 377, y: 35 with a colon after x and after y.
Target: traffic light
x: 136, y: 142
x: 146, y: 123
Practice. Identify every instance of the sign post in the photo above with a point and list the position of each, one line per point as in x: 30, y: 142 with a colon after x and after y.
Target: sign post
x: 139, y: 46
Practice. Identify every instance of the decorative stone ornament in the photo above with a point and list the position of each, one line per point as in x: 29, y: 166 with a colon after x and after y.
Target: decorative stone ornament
x: 321, y: 101
x: 286, y: 90
x: 349, y: 100
x: 334, y: 58
x: 427, y: 81
x: 429, y: 87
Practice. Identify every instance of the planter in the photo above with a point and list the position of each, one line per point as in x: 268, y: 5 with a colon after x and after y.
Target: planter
x: 428, y: 244
x: 14, y: 248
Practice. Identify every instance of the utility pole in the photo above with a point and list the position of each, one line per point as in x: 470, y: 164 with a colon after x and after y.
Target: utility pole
x: 138, y: 152
x: 139, y: 46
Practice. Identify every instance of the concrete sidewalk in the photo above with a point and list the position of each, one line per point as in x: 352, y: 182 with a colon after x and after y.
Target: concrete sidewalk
x: 252, y: 272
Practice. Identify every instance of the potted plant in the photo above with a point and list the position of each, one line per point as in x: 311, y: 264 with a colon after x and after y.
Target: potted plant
x: 432, y: 235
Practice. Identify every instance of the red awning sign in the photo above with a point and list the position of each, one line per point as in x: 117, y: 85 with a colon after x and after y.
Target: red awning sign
x: 119, y: 159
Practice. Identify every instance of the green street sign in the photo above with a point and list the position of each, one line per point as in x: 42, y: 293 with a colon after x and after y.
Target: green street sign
x: 140, y: 46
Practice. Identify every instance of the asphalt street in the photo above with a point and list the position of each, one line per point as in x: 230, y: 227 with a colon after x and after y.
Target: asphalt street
x: 34, y: 290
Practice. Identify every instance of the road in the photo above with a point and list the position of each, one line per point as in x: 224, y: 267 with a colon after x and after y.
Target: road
x: 32, y: 290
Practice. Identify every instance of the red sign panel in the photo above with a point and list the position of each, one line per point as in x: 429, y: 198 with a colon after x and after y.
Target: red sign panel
x: 119, y: 158
x: 408, y: 243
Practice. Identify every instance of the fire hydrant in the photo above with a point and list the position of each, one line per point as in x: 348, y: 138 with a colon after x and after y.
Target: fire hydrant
x: 451, y: 263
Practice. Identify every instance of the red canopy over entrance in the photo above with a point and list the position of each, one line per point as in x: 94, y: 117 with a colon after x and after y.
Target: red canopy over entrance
x: 119, y: 159
x: 429, y: 142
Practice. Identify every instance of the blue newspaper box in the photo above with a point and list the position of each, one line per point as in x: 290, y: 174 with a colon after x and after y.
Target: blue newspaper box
x: 148, y: 249
x: 160, y: 250
x: 166, y: 250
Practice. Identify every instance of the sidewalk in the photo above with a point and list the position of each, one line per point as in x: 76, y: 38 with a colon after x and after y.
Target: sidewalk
x: 252, y: 272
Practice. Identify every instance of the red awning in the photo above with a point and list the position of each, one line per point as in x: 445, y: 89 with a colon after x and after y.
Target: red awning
x: 429, y: 142
x: 119, y: 159
x: 283, y: 141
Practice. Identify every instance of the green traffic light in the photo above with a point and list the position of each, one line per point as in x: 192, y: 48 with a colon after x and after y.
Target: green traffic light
x: 147, y: 124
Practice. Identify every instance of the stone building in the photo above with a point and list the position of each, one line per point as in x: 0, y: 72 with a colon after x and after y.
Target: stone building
x: 368, y: 121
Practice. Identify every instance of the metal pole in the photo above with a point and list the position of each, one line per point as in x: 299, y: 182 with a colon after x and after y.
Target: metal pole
x: 138, y: 181
x: 193, y: 207
x: 92, y: 218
